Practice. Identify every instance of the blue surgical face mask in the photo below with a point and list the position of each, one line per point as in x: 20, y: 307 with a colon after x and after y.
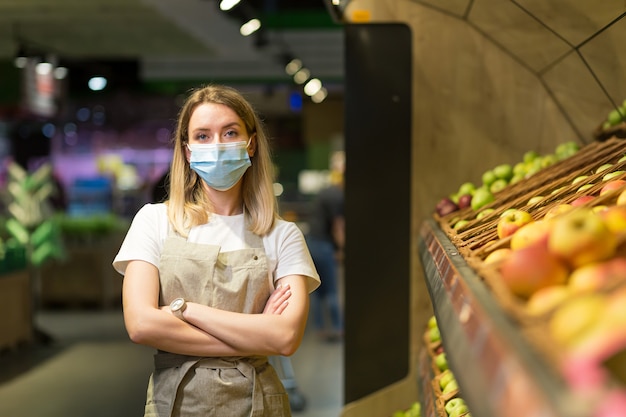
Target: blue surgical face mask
x: 220, y: 165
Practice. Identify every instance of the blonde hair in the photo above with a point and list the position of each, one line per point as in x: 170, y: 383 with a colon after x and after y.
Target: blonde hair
x: 188, y: 204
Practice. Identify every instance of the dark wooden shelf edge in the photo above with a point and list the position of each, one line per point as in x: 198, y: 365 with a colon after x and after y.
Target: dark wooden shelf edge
x: 498, y: 371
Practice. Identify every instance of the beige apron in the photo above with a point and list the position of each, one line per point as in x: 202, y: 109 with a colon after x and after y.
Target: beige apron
x: 183, y: 386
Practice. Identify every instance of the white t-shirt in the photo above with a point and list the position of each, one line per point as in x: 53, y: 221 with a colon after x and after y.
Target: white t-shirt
x: 285, y: 247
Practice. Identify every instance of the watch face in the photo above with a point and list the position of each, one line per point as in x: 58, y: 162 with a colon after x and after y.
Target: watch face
x: 177, y: 304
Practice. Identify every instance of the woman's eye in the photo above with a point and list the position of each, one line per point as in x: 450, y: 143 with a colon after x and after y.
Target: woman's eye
x: 231, y: 134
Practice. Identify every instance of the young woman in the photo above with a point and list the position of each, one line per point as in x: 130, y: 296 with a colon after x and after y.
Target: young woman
x: 213, y: 278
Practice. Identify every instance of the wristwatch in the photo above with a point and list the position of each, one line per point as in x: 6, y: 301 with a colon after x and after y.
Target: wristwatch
x: 177, y: 307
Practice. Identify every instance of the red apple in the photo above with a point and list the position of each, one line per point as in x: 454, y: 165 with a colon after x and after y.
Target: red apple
x: 580, y: 237
x: 531, y: 233
x: 446, y: 206
x: 583, y: 199
x: 612, y: 185
x: 465, y: 200
x: 529, y: 269
x: 598, y: 275
x: 509, y: 223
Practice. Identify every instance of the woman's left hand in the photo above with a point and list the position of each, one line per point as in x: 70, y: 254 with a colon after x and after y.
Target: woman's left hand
x: 278, y: 301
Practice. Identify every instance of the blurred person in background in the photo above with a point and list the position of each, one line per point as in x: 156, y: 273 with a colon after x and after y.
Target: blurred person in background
x: 326, y: 239
x: 213, y: 278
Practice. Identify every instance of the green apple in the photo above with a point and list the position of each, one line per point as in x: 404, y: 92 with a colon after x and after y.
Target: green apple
x: 530, y: 156
x: 434, y: 335
x: 498, y: 185
x: 503, y: 171
x: 612, y: 175
x: 519, y: 169
x: 482, y: 197
x: 484, y: 212
x: 579, y: 179
x: 466, y: 188
x: 603, y: 167
x: 567, y: 149
x: 460, y: 224
x: 451, y: 387
x: 517, y: 178
x: 548, y: 160
x: 488, y: 178
x: 453, y: 403
x: 458, y: 411
x: 584, y: 187
x: 534, y: 200
x: 441, y: 361
x: 445, y: 378
x: 622, y: 159
x: 432, y: 322
x: 615, y: 117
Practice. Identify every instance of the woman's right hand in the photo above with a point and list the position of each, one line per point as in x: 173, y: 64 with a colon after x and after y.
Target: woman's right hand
x: 278, y: 301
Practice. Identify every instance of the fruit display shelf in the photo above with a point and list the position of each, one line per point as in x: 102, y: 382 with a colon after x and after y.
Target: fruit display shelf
x: 498, y: 370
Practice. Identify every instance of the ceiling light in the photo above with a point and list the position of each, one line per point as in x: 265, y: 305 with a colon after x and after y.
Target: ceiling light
x: 293, y: 66
x: 43, y: 68
x: 319, y: 96
x: 250, y: 27
x: 226, y: 5
x: 301, y: 76
x: 97, y: 83
x: 312, y: 87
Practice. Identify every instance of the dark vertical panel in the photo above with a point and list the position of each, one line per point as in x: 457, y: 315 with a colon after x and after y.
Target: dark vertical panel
x: 378, y: 176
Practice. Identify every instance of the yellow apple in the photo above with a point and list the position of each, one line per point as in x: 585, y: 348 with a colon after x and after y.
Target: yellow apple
x: 577, y: 316
x: 497, y: 255
x: 530, y: 234
x: 615, y: 219
x: 621, y: 198
x: 534, y: 200
x: 557, y: 210
x: 580, y: 236
x: 545, y: 299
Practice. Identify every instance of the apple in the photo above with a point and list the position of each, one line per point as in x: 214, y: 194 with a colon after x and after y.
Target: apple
x: 612, y: 175
x: 453, y: 403
x: 482, y: 197
x: 446, y: 206
x: 612, y: 185
x: 534, y: 200
x: 584, y: 187
x: 567, y: 149
x: 621, y: 198
x: 511, y: 222
x: 445, y: 378
x: 461, y: 223
x: 547, y: 298
x: 599, y: 208
x: 484, y: 213
x: 441, y: 361
x: 451, y: 386
x: 614, y: 218
x: 579, y: 179
x: 498, y: 185
x: 603, y: 167
x: 529, y: 269
x: 581, y: 236
x: 465, y: 200
x: 548, y: 160
x: 612, y: 405
x: 621, y: 159
x: 530, y: 156
x: 488, y: 178
x: 504, y: 172
x: 577, y: 316
x: 557, y: 210
x: 583, y: 199
x: 557, y: 190
x: 497, y: 255
x: 530, y: 234
x: 434, y: 335
x: 466, y: 188
x: 459, y: 411
x: 597, y: 276
x: 507, y: 212
x: 432, y: 322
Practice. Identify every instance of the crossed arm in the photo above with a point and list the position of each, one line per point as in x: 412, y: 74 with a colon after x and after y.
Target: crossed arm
x: 208, y: 331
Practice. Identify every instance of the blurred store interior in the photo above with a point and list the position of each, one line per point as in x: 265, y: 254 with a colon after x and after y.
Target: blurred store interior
x: 91, y: 90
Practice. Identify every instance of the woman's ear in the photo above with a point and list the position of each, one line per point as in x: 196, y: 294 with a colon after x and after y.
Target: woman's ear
x: 187, y: 153
x: 252, y: 145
